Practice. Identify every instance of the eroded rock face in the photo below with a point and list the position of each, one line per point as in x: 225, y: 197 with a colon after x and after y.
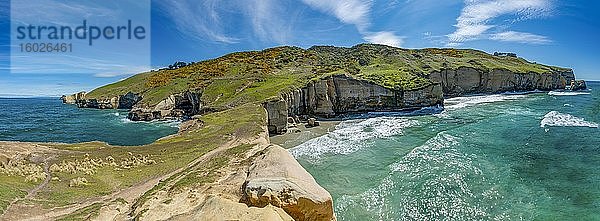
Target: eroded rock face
x: 112, y: 103
x: 466, y: 80
x: 276, y: 178
x: 73, y: 98
x: 174, y: 106
x: 126, y: 101
x: 578, y: 85
x: 341, y: 94
x: 277, y: 114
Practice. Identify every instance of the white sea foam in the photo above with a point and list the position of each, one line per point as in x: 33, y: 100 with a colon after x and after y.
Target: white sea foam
x: 557, y: 119
x: 169, y: 123
x: 567, y: 93
x: 461, y: 102
x: 350, y: 136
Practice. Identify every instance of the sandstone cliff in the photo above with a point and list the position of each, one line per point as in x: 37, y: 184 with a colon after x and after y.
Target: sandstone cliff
x: 125, y: 101
x: 323, y: 81
x: 73, y: 98
x: 341, y: 94
x: 466, y: 80
x: 175, y: 106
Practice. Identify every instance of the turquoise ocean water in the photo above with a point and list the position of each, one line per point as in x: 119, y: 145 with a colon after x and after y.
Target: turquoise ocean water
x: 495, y: 157
x: 48, y: 120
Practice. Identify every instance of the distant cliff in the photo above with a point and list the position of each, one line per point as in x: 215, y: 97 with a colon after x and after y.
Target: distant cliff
x: 466, y: 80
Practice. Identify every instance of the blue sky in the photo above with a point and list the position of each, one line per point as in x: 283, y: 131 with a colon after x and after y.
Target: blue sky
x: 562, y: 33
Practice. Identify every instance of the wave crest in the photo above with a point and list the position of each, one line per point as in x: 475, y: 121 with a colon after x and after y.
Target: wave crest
x: 566, y: 93
x: 461, y: 102
x: 350, y: 136
x: 557, y: 119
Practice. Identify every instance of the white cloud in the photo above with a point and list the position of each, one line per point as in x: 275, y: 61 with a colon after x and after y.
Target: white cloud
x: 477, y: 17
x: 267, y: 20
x: 384, y: 38
x: 199, y: 21
x: 356, y: 12
x: 207, y: 20
x: 521, y: 37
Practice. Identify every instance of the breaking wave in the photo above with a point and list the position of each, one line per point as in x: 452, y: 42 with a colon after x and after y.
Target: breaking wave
x: 351, y: 136
x: 157, y: 123
x: 557, y: 119
x: 461, y: 102
x: 566, y: 93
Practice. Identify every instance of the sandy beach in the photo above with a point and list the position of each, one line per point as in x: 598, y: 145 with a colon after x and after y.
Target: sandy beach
x: 295, y: 137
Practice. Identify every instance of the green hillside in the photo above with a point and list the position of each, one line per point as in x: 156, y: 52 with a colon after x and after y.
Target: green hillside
x: 246, y: 77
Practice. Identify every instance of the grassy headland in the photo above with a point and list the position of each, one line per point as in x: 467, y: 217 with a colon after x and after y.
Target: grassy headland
x: 246, y: 77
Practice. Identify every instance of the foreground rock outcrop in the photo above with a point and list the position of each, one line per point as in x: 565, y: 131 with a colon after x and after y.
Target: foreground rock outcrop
x: 218, y: 208
x: 276, y: 178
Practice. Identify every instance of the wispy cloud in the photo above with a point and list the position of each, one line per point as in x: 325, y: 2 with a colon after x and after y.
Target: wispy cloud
x: 356, y: 12
x: 477, y: 17
x: 197, y: 20
x: 521, y: 37
x: 268, y: 20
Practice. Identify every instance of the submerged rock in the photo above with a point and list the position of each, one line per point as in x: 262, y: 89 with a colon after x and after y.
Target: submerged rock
x: 276, y: 178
